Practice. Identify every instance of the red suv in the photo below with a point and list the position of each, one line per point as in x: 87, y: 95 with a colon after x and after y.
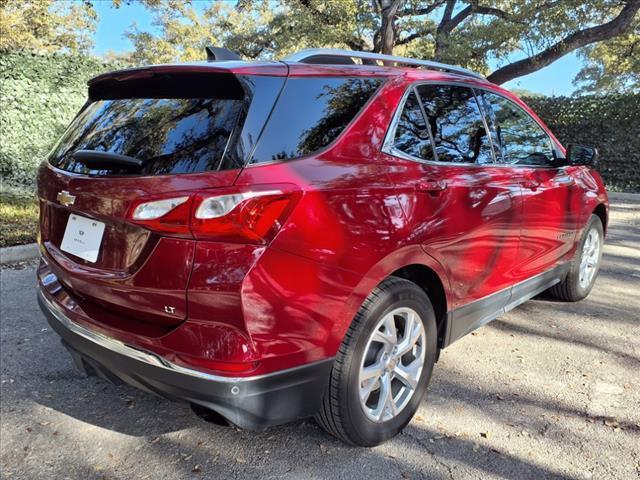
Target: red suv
x: 271, y: 241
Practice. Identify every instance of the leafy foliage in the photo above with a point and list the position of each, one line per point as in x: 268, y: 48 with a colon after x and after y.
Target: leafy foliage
x: 607, y: 122
x: 40, y: 94
x: 612, y: 66
x: 18, y: 218
x: 518, y: 37
x: 47, y: 25
x: 184, y: 33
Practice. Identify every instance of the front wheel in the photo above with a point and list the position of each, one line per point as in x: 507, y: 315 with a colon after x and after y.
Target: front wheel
x: 383, y: 366
x: 585, y: 264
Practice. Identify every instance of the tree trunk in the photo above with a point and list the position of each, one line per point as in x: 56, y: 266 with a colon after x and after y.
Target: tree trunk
x: 443, y: 32
x: 386, y: 38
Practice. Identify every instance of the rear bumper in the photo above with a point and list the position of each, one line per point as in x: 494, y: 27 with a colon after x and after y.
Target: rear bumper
x: 250, y: 403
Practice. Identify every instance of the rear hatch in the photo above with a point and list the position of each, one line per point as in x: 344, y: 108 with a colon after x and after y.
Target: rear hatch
x: 145, y: 134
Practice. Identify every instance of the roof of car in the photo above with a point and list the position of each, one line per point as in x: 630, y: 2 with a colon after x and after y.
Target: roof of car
x: 295, y: 69
x: 315, y: 62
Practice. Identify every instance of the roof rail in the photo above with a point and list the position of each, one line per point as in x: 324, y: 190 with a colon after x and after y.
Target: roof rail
x: 339, y: 56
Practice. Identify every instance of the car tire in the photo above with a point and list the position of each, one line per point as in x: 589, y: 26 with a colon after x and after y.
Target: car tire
x: 584, y: 266
x: 368, y: 347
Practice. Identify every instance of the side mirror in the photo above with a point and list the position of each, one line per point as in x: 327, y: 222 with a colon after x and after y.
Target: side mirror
x: 582, y: 155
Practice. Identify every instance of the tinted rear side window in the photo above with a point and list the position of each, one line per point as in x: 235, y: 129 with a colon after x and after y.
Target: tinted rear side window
x: 310, y: 114
x: 412, y: 135
x: 456, y: 124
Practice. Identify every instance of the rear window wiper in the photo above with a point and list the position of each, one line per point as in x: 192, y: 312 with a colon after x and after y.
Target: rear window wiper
x: 97, y: 160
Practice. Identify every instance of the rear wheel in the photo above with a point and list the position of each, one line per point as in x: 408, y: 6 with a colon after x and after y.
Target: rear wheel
x: 585, y: 264
x: 383, y: 366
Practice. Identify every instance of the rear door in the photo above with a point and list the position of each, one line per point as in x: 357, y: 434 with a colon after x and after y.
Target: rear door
x: 549, y: 192
x: 187, y: 132
x: 461, y: 206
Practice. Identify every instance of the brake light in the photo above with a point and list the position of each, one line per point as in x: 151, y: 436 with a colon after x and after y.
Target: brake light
x: 249, y: 217
x: 239, y: 217
x: 169, y: 215
x: 156, y: 209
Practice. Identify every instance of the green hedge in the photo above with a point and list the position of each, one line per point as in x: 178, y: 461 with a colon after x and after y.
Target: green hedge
x: 611, y: 123
x: 40, y: 95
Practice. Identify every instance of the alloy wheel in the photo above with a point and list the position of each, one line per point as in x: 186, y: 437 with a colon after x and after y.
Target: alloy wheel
x: 590, y: 258
x: 392, y: 364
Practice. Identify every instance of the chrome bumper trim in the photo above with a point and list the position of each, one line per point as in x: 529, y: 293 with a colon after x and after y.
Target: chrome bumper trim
x: 136, y: 353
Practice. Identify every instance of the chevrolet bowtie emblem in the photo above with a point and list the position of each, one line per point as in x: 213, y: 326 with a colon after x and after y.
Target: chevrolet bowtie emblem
x: 65, y: 198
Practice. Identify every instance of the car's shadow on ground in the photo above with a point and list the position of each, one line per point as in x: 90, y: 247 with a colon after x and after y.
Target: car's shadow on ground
x: 160, y: 428
x: 126, y: 410
x: 119, y: 408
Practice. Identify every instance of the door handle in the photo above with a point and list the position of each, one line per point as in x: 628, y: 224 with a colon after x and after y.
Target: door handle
x: 530, y: 184
x: 431, y: 186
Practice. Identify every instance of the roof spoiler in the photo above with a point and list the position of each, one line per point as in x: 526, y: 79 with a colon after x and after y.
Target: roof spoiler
x: 217, y: 54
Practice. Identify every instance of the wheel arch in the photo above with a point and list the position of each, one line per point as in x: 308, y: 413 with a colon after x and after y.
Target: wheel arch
x: 601, y: 212
x: 429, y: 281
x: 414, y: 264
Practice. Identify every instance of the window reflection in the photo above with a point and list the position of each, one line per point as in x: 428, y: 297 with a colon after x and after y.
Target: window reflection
x: 310, y: 114
x: 456, y: 124
x: 518, y: 139
x: 412, y: 135
x: 170, y: 135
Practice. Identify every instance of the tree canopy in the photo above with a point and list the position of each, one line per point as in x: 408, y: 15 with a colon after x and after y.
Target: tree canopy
x: 47, y: 25
x: 503, y: 39
x: 612, y: 66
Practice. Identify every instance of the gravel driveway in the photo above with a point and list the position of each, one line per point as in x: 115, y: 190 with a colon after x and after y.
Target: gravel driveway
x: 550, y: 390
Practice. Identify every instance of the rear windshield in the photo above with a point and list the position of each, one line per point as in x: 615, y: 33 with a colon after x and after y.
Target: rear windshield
x: 310, y: 114
x: 183, y: 127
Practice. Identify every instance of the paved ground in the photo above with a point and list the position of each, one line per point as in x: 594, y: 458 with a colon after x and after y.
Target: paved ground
x: 550, y: 390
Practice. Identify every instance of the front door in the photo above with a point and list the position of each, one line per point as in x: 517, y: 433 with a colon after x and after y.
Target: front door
x: 548, y: 192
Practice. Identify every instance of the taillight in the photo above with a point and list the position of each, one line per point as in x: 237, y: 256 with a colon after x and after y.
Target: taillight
x: 169, y: 215
x: 156, y: 209
x: 248, y: 217
x: 239, y: 217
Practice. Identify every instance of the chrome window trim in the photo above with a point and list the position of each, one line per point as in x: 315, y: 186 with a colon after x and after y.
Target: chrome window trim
x: 389, y: 149
x: 387, y: 145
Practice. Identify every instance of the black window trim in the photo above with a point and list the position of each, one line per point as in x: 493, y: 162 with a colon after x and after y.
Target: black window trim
x: 389, y: 149
x: 250, y: 163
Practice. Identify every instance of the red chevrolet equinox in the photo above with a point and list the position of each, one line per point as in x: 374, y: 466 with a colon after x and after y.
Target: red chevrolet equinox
x: 272, y: 241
